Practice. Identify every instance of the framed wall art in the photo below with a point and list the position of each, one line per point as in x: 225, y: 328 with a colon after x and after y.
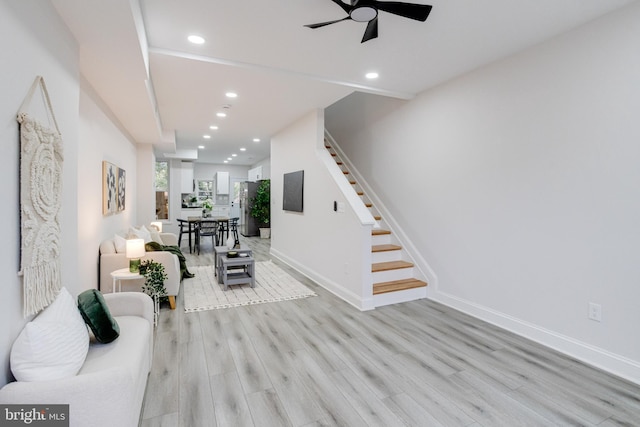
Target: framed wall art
x: 109, y: 188
x: 122, y: 188
x: 293, y: 194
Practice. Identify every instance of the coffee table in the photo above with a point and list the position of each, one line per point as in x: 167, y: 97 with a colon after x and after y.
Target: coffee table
x: 220, y: 251
x: 242, y: 270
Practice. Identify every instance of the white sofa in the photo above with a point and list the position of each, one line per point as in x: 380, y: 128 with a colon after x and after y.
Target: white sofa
x: 109, y: 388
x: 111, y: 260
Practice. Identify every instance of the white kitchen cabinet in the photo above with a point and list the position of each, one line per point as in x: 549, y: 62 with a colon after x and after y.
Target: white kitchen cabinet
x: 222, y: 183
x: 255, y: 174
x: 222, y: 211
x: 186, y: 213
x: 186, y: 169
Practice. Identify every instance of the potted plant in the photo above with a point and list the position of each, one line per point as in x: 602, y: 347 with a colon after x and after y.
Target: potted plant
x: 207, y: 205
x: 261, y: 208
x: 154, y: 276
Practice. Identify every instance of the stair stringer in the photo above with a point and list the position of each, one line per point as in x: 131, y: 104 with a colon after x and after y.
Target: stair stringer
x: 421, y: 266
x: 361, y: 211
x: 365, y: 300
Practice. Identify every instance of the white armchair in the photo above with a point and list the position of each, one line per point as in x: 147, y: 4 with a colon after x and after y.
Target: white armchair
x: 109, y: 388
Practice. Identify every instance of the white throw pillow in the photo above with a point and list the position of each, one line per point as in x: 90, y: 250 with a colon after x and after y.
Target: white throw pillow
x: 52, y: 346
x: 120, y: 244
x: 141, y: 233
x: 155, y: 236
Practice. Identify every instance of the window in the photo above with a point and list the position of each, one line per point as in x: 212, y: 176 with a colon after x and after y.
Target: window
x: 162, y: 190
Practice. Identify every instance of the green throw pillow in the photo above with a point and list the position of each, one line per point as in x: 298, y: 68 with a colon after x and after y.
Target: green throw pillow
x: 96, y: 314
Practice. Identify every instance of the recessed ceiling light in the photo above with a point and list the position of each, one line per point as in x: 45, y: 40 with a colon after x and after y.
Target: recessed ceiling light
x: 206, y: 136
x: 231, y: 95
x: 201, y: 147
x: 234, y: 155
x: 226, y: 161
x: 256, y: 139
x: 243, y: 149
x: 195, y: 39
x: 221, y: 114
x: 372, y: 75
x: 213, y: 127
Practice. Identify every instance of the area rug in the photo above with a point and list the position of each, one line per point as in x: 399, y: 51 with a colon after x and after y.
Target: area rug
x: 203, y: 292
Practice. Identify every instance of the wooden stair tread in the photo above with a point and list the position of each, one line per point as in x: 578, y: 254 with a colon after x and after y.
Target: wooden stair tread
x: 369, y: 205
x: 397, y: 285
x: 377, y: 217
x: 339, y: 163
x: 360, y: 193
x: 390, y: 265
x: 385, y: 248
x: 352, y: 182
x: 333, y: 154
x: 345, y: 172
x: 379, y: 232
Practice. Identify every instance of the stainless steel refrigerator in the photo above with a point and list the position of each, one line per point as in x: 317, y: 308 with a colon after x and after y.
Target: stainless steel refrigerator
x: 248, y: 227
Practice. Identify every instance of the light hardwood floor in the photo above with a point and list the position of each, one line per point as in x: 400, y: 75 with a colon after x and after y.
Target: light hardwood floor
x: 318, y: 361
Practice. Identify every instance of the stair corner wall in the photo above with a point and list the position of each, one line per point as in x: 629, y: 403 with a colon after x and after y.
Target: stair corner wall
x: 320, y: 242
x: 400, y: 273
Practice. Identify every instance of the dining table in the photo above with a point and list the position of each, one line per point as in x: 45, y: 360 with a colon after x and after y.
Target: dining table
x: 193, y: 222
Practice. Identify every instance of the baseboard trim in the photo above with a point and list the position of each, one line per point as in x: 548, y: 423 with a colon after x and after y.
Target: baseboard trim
x: 615, y: 364
x: 362, y: 304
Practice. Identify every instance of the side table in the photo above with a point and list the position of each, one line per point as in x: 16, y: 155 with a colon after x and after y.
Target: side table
x: 125, y: 274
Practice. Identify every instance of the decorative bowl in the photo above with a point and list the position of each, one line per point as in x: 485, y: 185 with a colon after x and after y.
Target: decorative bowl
x: 232, y: 254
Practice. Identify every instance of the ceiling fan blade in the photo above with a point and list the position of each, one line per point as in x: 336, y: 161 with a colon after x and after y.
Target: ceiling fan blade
x: 344, y: 6
x: 419, y: 12
x: 372, y: 30
x: 322, y: 24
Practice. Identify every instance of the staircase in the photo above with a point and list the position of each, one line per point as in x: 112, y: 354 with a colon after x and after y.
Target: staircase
x: 391, y: 273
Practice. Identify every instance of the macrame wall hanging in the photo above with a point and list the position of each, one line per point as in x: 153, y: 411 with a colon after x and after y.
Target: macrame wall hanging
x: 40, y: 202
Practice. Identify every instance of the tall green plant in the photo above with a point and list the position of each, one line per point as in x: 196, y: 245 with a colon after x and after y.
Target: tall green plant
x: 261, y: 204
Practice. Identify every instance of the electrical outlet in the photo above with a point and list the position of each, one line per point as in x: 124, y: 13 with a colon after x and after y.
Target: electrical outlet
x: 595, y: 312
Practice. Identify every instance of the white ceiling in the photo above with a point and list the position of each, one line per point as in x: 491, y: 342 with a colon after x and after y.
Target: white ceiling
x: 280, y: 69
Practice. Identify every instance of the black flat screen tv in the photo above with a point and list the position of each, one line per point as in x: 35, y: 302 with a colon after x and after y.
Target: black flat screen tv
x: 293, y: 191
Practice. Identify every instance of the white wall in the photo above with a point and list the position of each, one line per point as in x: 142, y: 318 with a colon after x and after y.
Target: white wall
x: 145, y: 201
x: 519, y: 185
x: 100, y: 138
x: 208, y: 170
x: 323, y: 244
x: 33, y: 42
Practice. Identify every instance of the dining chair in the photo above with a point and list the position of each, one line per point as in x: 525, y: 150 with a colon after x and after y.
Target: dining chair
x: 207, y: 228
x: 233, y: 229
x: 184, y: 229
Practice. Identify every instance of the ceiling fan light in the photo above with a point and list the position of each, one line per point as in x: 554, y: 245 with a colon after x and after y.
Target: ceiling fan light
x: 363, y: 14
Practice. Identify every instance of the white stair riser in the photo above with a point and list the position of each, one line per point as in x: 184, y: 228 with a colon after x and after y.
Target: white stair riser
x: 399, y: 296
x: 382, y: 239
x: 386, y: 256
x: 390, y: 275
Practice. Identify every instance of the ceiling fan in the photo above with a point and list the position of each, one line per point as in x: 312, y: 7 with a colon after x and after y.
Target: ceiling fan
x: 367, y: 11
